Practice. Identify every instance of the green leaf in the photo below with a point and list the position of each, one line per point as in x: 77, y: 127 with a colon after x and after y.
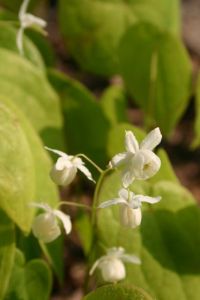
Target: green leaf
x: 151, y: 62
x: 85, y: 123
x: 7, y: 252
x: 167, y: 241
x: 24, y: 166
x: 113, y: 102
x: 33, y: 94
x: 196, y: 141
x: 85, y: 231
x: 118, y: 291
x: 29, y: 281
x: 93, y: 29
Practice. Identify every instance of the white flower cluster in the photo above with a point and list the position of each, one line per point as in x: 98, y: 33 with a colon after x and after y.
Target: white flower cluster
x: 137, y: 163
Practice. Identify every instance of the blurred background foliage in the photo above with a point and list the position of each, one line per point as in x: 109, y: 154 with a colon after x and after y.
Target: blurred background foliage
x: 105, y: 66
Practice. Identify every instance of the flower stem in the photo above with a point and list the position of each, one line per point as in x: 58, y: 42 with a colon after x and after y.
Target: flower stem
x: 74, y: 204
x: 90, y: 161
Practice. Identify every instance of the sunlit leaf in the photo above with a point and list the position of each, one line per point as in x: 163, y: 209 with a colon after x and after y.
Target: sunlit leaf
x: 7, y: 252
x: 24, y: 166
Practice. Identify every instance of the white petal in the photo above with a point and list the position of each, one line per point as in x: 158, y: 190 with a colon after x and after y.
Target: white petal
x: 131, y: 143
x: 123, y: 193
x: 64, y: 176
x: 23, y: 8
x: 130, y: 258
x: 95, y: 265
x: 118, y: 159
x: 19, y: 40
x: 32, y: 20
x: 152, y: 140
x: 127, y: 177
x: 45, y: 227
x: 86, y: 172
x: 65, y: 219
x: 147, y: 199
x: 60, y: 153
x: 130, y: 217
x: 112, y: 202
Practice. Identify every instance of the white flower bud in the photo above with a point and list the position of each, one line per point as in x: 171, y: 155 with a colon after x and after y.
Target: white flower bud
x: 130, y: 217
x: 112, y: 270
x: 45, y: 227
x: 63, y: 174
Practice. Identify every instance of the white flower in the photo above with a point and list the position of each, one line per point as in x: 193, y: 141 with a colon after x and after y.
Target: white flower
x: 111, y: 264
x: 65, y: 169
x: 45, y: 226
x: 130, y: 206
x: 27, y: 20
x: 139, y: 161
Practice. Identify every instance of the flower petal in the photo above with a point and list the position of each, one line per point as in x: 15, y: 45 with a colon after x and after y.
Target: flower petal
x: 130, y: 258
x: 123, y: 193
x: 23, y: 8
x: 147, y: 199
x: 95, y: 265
x: 152, y: 139
x: 60, y: 153
x: 86, y: 172
x: 112, y: 202
x: 65, y: 219
x: 118, y: 159
x: 127, y: 177
x: 29, y: 20
x: 131, y: 143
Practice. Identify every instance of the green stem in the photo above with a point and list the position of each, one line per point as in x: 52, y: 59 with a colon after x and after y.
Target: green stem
x: 74, y: 204
x: 46, y: 253
x: 90, y: 161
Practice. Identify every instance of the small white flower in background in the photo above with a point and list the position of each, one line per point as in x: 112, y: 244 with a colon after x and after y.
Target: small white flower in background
x: 130, y: 207
x: 112, y: 264
x: 45, y: 226
x: 27, y: 20
x: 139, y: 162
x: 65, y: 169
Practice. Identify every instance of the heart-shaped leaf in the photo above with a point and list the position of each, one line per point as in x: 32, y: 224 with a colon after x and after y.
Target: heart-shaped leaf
x: 93, y: 28
x: 118, y: 292
x: 151, y: 62
x: 24, y: 167
x: 29, y: 281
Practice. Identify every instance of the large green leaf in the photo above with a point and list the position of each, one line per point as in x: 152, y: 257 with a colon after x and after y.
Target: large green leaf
x: 29, y: 89
x: 118, y: 292
x: 7, y: 252
x: 167, y: 241
x: 29, y: 281
x: 24, y: 167
x: 86, y: 125
x: 113, y: 102
x: 93, y: 29
x: 151, y: 62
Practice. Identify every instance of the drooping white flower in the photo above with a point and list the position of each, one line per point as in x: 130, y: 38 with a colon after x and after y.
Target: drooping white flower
x: 112, y: 264
x: 139, y: 161
x: 130, y: 207
x: 45, y: 226
x: 65, y: 169
x: 27, y: 20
